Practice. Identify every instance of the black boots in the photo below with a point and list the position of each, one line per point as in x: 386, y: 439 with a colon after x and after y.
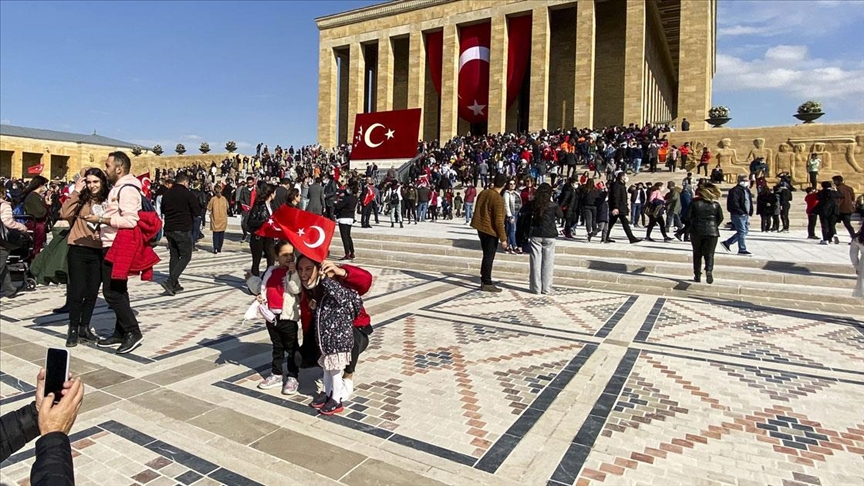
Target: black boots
x: 79, y: 333
x: 709, y: 277
x: 698, y: 277
x: 72, y: 337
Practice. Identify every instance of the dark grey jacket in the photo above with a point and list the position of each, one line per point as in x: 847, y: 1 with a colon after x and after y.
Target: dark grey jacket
x: 316, y: 199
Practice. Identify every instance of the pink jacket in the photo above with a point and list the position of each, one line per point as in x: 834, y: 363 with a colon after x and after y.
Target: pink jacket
x: 8, y: 218
x: 121, y: 213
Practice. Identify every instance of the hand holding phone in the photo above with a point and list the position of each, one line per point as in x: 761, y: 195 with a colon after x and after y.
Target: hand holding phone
x: 56, y: 372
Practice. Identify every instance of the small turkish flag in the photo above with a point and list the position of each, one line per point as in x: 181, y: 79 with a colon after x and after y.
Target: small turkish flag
x: 36, y: 169
x: 386, y: 135
x: 309, y: 233
x: 145, y: 184
x: 270, y: 228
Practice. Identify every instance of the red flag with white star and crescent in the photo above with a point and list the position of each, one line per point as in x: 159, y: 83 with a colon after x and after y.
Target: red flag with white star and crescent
x: 309, y: 233
x: 145, y: 184
x: 386, y: 135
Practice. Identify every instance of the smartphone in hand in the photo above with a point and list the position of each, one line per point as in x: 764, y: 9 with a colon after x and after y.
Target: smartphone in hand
x: 56, y: 372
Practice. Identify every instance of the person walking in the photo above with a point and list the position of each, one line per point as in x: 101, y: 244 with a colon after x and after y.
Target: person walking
x: 261, y: 211
x: 673, y: 207
x: 244, y: 200
x: 619, y: 209
x: 543, y: 213
x: 856, y: 254
x: 393, y: 196
x: 765, y: 206
x: 845, y: 203
x: 828, y: 211
x: 587, y: 200
x: 739, y: 203
x: 84, y: 260
x: 409, y: 208
x: 488, y: 220
x: 784, y: 198
x: 703, y: 220
x: 218, y: 209
x: 655, y: 208
x: 470, y: 197
x: 180, y: 207
x: 120, y: 213
x: 367, y: 198
x: 704, y: 160
x: 424, y: 194
x: 346, y: 207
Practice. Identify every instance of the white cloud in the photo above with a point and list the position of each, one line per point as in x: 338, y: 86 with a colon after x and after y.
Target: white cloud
x: 244, y: 145
x: 791, y: 70
x: 768, y: 19
x: 191, y: 137
x: 6, y: 121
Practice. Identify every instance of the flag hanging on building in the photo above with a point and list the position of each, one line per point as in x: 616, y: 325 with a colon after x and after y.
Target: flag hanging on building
x: 386, y: 135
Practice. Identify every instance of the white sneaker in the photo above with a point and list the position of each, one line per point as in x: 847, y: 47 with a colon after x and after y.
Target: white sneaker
x: 271, y: 381
x: 348, y: 386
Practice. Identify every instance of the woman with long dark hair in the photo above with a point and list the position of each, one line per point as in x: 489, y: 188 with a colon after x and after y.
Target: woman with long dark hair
x: 703, y: 221
x: 258, y: 216
x: 544, y: 214
x: 656, y: 208
x: 84, y: 259
x: 344, y: 210
x: 37, y: 209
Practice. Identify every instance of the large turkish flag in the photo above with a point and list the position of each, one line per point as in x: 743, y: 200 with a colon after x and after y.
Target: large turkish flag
x: 386, y: 135
x: 474, y: 72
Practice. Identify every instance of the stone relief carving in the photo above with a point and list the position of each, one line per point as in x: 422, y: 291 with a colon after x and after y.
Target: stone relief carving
x: 853, y: 149
x: 726, y: 156
x: 785, y: 162
x: 759, y: 150
x: 819, y: 150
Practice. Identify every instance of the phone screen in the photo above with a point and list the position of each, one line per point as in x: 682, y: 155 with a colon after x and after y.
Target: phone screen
x: 56, y: 372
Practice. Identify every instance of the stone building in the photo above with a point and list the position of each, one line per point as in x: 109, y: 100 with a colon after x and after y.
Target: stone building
x: 539, y: 64
x: 61, y: 153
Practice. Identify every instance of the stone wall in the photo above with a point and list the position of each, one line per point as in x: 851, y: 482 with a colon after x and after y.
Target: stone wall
x: 60, y: 159
x: 786, y: 149
x: 149, y: 162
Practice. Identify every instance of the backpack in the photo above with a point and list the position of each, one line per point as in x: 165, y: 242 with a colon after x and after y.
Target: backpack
x: 19, y: 214
x: 394, y: 197
x: 147, y: 207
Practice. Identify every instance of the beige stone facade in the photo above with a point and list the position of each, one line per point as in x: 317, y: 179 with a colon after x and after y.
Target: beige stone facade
x: 60, y: 159
x: 785, y: 149
x: 593, y: 63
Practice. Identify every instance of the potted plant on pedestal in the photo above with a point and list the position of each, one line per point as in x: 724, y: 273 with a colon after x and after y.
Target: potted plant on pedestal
x: 157, y: 149
x: 137, y: 150
x: 204, y: 148
x: 718, y: 116
x: 809, y: 111
x: 231, y: 147
x: 180, y: 149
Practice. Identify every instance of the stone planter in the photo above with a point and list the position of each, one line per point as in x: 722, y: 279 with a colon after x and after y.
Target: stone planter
x: 808, y: 117
x: 718, y: 122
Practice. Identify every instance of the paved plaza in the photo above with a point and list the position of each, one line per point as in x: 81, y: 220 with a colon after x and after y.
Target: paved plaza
x: 583, y: 386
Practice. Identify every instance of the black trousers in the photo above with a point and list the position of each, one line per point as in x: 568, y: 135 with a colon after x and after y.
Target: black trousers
x: 85, y: 277
x: 811, y: 225
x: 180, y: 248
x: 784, y: 215
x: 703, y: 248
x: 828, y: 230
x: 408, y: 208
x: 589, y: 216
x: 116, y: 293
x: 652, y: 222
x: 347, y: 241
x: 218, y: 240
x: 624, y: 223
x: 765, y: 222
x: 813, y: 177
x: 700, y: 167
x: 846, y: 219
x: 489, y: 245
x: 283, y: 336
x: 365, y: 214
x: 261, y: 247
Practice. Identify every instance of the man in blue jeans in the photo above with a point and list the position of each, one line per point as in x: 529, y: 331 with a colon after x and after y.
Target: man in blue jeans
x: 739, y: 203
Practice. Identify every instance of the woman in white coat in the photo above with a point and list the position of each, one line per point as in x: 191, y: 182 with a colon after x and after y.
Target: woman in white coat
x: 856, y: 254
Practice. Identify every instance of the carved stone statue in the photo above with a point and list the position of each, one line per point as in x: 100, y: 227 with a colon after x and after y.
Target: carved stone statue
x: 824, y: 155
x: 799, y: 168
x: 785, y: 162
x: 759, y: 150
x: 853, y: 149
x: 726, y: 156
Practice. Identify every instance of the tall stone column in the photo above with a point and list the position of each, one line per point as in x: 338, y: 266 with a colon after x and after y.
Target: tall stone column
x: 634, y: 62
x: 586, y: 28
x: 385, y: 74
x: 449, y: 83
x: 327, y: 109
x: 498, y: 75
x: 695, y: 62
x: 356, y: 87
x: 539, y: 102
x: 416, y: 70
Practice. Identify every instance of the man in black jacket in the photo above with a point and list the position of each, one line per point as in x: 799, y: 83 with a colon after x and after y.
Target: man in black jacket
x: 53, y: 422
x: 619, y: 209
x: 739, y: 203
x: 180, y: 208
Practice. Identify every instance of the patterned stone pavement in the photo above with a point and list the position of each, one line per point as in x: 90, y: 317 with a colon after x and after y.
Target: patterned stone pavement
x: 459, y: 387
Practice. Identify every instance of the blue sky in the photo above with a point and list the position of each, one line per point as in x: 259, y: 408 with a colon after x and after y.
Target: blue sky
x: 169, y: 72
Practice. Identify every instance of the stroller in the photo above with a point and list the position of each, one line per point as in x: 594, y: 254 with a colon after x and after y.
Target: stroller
x: 19, y: 260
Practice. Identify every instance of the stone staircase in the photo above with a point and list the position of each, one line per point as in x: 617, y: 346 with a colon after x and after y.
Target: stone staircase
x: 662, y: 269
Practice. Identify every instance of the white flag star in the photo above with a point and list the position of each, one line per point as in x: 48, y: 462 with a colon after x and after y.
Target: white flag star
x: 301, y: 232
x: 476, y: 108
x: 390, y: 133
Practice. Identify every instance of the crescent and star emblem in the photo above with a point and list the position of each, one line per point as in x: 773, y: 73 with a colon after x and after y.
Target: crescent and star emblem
x: 321, y: 236
x: 368, y: 138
